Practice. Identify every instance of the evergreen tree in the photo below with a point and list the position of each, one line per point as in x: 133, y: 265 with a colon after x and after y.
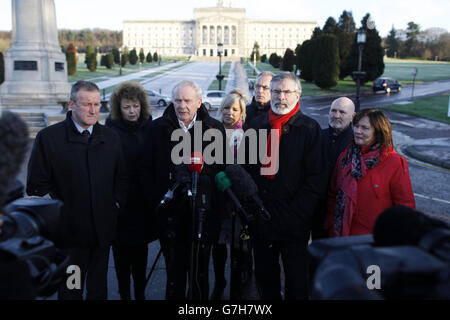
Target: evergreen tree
x: 92, y: 61
x: 89, y: 51
x: 109, y: 61
x: 141, y: 56
x: 326, y: 61
x: 317, y: 32
x: 125, y: 55
x: 255, y: 48
x: 155, y: 57
x: 71, y: 48
x: 149, y: 57
x: 103, y: 60
x: 116, y: 54
x: 372, y: 55
x: 330, y: 26
x: 306, y: 60
x: 345, y: 35
x: 71, y: 64
x: 133, y: 57
x: 264, y: 58
x: 392, y: 43
x: 288, y: 61
x: 2, y: 68
x: 298, y: 50
x: 411, y: 44
x: 275, y: 60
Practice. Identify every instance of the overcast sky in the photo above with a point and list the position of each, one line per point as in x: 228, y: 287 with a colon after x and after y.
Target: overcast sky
x: 110, y: 14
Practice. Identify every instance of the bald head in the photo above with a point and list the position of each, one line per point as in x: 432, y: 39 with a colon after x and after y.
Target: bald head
x: 341, y: 114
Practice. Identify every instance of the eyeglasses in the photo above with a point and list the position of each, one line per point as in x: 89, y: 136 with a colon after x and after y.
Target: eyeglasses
x: 265, y: 88
x: 279, y: 92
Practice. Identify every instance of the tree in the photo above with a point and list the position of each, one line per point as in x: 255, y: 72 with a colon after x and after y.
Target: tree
x: 125, y: 55
x: 155, y: 57
x: 133, y: 57
x: 149, y: 57
x: 326, y: 61
x: 330, y: 26
x: 298, y: 50
x: 345, y: 34
x: 109, y: 61
x: 372, y: 55
x: 275, y: 60
x: 103, y: 60
x: 92, y: 61
x: 306, y: 60
x: 264, y: 58
x: 71, y: 63
x: 89, y: 50
x: 255, y: 48
x: 412, y: 47
x: 288, y: 61
x: 116, y: 54
x: 141, y: 56
x: 317, y: 32
x: 2, y: 68
x: 392, y: 43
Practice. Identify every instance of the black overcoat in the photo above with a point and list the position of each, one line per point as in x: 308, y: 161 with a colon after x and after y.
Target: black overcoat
x: 89, y: 177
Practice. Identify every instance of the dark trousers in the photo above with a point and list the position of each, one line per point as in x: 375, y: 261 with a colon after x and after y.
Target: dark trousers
x: 93, y: 264
x: 267, y: 269
x: 131, y: 261
x: 177, y: 256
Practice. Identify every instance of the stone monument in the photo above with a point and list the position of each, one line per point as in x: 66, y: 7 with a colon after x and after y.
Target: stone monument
x: 35, y: 67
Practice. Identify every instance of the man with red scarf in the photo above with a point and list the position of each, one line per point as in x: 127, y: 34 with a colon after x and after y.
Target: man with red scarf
x: 290, y: 179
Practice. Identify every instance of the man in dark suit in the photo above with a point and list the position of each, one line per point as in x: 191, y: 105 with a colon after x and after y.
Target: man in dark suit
x: 336, y: 138
x: 261, y: 97
x: 80, y: 162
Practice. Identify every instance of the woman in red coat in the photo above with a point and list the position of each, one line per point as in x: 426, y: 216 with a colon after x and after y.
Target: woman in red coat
x: 369, y: 177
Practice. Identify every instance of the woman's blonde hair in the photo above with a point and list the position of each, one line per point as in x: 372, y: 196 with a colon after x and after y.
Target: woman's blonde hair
x: 232, y: 97
x: 132, y: 91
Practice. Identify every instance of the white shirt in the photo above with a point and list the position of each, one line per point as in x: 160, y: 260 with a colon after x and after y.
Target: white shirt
x: 182, y: 126
x: 80, y: 128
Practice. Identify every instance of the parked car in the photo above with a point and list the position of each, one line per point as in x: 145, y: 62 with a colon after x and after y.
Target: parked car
x: 157, y: 99
x: 387, y: 85
x: 212, y: 99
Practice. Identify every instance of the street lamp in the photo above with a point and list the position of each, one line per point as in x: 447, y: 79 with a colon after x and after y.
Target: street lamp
x: 120, y: 61
x: 220, y: 76
x: 360, y: 39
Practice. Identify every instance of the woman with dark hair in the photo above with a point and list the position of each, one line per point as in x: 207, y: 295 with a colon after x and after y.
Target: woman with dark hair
x: 130, y: 118
x: 369, y: 177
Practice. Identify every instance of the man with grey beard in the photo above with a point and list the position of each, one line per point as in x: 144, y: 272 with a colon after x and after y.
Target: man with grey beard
x: 290, y: 184
x: 336, y: 138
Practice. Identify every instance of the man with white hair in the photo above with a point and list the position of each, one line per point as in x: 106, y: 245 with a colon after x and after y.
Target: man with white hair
x: 336, y: 138
x: 290, y: 184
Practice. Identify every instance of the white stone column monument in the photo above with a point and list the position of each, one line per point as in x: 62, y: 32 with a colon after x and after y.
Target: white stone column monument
x: 35, y: 67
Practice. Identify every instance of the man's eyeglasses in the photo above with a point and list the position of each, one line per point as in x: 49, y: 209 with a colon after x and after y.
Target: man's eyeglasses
x: 265, y: 88
x: 279, y: 92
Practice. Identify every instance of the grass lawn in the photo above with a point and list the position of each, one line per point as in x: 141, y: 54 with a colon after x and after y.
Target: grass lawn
x: 225, y: 71
x: 394, y: 68
x: 433, y: 108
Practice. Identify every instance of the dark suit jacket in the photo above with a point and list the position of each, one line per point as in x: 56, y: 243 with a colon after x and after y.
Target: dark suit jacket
x: 88, y: 176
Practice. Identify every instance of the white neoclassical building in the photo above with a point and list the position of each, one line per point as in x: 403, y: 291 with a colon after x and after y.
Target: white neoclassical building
x: 220, y: 24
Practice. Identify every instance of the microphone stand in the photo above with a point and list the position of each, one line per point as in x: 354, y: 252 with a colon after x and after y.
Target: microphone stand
x: 193, y: 242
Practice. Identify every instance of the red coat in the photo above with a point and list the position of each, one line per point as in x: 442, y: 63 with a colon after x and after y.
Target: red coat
x: 386, y: 185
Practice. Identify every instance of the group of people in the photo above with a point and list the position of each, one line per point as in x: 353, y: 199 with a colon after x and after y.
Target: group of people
x: 111, y: 179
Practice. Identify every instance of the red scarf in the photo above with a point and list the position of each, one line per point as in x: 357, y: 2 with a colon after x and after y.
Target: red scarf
x: 276, y: 121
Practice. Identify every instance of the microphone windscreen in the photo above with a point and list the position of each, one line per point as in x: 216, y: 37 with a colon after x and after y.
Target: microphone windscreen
x: 13, y: 148
x: 242, y: 182
x: 196, y: 162
x: 182, y: 175
x: 222, y: 181
x: 401, y: 225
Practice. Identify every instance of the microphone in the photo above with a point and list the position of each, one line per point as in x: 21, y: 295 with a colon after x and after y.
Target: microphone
x: 182, y: 178
x: 196, y: 167
x: 245, y: 187
x: 224, y: 184
x: 13, y: 148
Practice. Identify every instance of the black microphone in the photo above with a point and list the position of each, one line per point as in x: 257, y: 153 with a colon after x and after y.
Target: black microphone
x: 182, y: 179
x: 224, y: 184
x: 245, y: 187
x: 13, y: 148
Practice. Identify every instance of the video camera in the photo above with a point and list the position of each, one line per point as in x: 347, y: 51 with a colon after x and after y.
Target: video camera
x: 407, y: 257
x: 29, y: 231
